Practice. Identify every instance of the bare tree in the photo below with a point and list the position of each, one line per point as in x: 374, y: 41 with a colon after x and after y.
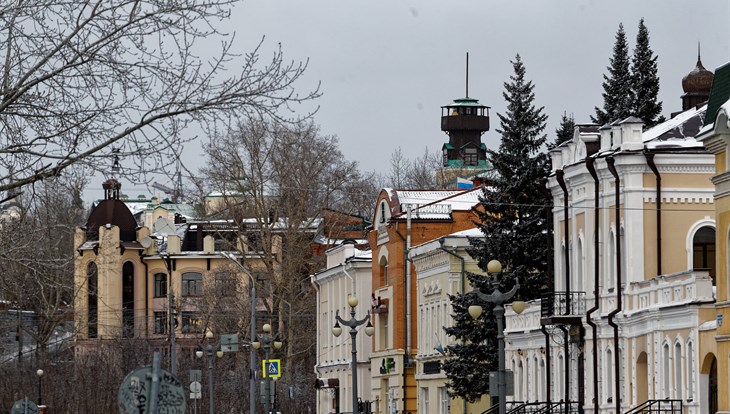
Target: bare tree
x: 419, y: 173
x: 81, y: 79
x: 36, y: 256
x: 274, y: 179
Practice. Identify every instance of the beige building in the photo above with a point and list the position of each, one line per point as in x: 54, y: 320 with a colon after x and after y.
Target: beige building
x: 126, y: 276
x: 632, y: 318
x: 441, y: 267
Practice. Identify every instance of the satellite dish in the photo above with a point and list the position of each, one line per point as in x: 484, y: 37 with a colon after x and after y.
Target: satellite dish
x: 146, y: 242
x: 164, y: 226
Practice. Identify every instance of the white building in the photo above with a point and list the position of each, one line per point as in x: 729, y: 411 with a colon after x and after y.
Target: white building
x: 642, y: 259
x: 348, y: 273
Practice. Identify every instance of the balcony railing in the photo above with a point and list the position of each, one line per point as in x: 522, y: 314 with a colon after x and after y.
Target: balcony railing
x: 563, y: 305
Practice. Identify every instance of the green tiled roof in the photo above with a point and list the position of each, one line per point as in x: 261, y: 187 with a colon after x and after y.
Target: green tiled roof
x: 719, y: 94
x: 447, y: 146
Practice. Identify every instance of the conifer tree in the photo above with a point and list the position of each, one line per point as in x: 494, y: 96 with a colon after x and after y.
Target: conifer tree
x: 514, y: 220
x: 617, y: 94
x: 565, y: 130
x: 644, y: 80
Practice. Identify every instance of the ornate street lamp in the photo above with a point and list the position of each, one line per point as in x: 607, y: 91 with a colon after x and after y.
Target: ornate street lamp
x: 498, y: 298
x: 40, y: 373
x: 209, y: 351
x: 353, y: 323
x: 267, y: 340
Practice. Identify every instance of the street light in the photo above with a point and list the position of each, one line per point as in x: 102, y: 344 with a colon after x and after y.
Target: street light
x: 40, y: 386
x: 266, y: 341
x: 353, y: 323
x: 252, y: 352
x: 497, y: 298
x: 219, y: 353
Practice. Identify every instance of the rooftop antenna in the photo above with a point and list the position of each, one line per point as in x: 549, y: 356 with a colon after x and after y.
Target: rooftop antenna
x: 467, y: 74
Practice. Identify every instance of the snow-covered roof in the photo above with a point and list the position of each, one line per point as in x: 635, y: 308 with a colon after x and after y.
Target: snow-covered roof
x: 434, y: 204
x: 678, y: 132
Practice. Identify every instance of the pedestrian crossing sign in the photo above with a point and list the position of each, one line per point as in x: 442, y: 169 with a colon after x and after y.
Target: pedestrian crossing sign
x: 271, y: 368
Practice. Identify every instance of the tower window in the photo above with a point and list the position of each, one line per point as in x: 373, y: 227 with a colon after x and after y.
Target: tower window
x: 470, y: 156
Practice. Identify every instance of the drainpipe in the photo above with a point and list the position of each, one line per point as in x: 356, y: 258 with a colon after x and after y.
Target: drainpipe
x: 650, y: 162
x: 590, y: 165
x: 146, y: 300
x: 616, y: 357
x: 406, y: 302
x: 463, y: 287
x: 317, y: 286
x: 560, y: 176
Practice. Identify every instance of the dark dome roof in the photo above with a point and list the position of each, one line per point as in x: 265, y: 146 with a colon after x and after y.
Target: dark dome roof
x: 112, y: 211
x: 699, y: 80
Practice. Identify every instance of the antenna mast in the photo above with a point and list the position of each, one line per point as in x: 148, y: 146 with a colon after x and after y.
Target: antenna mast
x: 467, y: 74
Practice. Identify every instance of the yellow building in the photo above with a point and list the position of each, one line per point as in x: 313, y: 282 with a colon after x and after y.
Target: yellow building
x: 716, y: 137
x: 129, y: 277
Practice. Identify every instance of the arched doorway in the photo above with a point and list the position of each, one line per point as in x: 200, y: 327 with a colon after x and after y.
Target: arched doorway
x: 642, y: 379
x: 708, y: 383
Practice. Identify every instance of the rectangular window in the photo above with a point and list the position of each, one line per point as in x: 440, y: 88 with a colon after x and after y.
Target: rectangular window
x: 160, y: 285
x: 192, y: 284
x: 470, y: 156
x: 444, y: 405
x: 424, y: 400
x: 226, y: 285
x: 161, y: 322
x: 191, y: 322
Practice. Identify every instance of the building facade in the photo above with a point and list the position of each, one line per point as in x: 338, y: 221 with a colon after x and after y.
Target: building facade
x: 441, y: 266
x: 632, y: 319
x: 348, y: 273
x: 405, y: 218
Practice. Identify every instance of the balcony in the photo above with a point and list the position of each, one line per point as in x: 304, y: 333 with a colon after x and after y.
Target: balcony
x: 562, y: 308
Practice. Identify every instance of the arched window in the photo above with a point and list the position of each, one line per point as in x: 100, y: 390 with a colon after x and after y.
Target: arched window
x: 563, y: 261
x: 609, y: 375
x: 538, y: 373
x: 384, y: 271
x: 543, y: 381
x: 690, y: 371
x: 667, y: 374
x: 92, y: 281
x: 560, y: 379
x: 128, y: 300
x: 678, y: 370
x: 703, y: 250
x: 580, y: 266
x: 611, y: 282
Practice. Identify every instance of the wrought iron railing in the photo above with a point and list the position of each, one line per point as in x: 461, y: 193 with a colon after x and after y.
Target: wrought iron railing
x: 658, y: 407
x: 563, y: 304
x: 542, y: 407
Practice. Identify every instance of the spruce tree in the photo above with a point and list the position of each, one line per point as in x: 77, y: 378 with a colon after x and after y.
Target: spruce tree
x: 514, y: 214
x: 644, y: 80
x: 565, y: 130
x: 617, y: 94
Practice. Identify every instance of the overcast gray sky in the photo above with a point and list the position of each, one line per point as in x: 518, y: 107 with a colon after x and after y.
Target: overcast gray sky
x: 386, y: 67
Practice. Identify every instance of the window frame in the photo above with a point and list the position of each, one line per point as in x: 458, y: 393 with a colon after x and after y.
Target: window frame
x: 191, y: 284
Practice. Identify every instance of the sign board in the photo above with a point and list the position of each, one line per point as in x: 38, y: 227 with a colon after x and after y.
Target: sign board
x: 196, y: 375
x: 134, y: 393
x: 494, y: 382
x: 271, y: 368
x: 24, y: 406
x: 229, y: 343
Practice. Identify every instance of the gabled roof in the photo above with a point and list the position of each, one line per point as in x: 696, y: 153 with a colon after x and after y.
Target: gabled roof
x: 720, y: 92
x: 431, y: 204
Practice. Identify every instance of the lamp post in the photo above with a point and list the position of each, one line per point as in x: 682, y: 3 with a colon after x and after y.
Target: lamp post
x: 498, y: 298
x: 266, y: 341
x: 209, y: 352
x: 252, y: 352
x: 353, y: 323
x: 40, y: 373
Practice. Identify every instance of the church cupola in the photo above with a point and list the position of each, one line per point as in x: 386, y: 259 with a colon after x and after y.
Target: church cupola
x: 696, y: 85
x: 465, y: 120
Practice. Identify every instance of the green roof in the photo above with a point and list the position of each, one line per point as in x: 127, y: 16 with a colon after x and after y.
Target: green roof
x: 467, y: 101
x: 447, y: 146
x: 719, y: 94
